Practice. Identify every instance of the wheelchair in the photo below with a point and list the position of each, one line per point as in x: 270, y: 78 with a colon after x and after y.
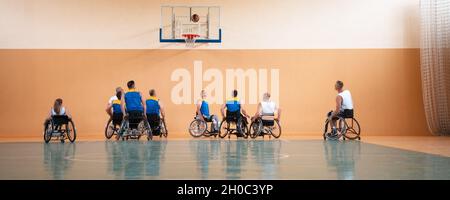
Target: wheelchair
x: 265, y: 125
x: 134, y: 126
x: 346, y: 125
x: 113, y: 125
x: 157, y: 129
x: 234, y: 125
x: 199, y: 128
x: 60, y: 127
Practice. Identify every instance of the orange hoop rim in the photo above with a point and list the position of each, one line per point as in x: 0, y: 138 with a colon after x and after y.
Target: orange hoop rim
x: 190, y: 36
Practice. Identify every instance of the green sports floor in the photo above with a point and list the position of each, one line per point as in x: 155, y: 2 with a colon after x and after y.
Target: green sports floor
x: 217, y: 159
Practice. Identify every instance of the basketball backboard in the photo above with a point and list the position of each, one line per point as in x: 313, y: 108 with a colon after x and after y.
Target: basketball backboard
x: 177, y: 21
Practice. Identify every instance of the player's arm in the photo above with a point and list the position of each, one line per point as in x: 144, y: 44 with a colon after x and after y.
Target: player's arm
x: 199, y: 113
x: 338, y: 105
x: 143, y: 103
x: 222, y: 110
x: 243, y: 111
x: 108, y: 109
x: 161, y: 108
x: 258, y: 111
x: 122, y: 106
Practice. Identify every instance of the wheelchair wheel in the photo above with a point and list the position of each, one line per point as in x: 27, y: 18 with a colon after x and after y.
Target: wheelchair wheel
x: 71, y: 132
x: 197, y: 128
x: 325, y: 131
x: 149, y: 134
x: 276, y: 129
x: 110, y: 129
x: 353, y: 130
x: 224, y: 129
x: 340, y: 127
x: 48, y: 131
x: 244, y: 129
x: 255, y: 128
x: 163, y: 128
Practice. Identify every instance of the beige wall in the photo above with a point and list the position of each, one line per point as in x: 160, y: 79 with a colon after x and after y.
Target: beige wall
x: 372, y: 46
x: 246, y: 24
x: 385, y: 84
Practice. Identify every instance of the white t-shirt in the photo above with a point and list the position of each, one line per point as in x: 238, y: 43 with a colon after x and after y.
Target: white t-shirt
x: 113, y: 98
x: 268, y: 107
x: 347, y: 102
x: 61, y: 112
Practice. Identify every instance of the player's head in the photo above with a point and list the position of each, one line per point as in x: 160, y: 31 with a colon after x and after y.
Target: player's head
x: 203, y: 94
x: 152, y: 92
x: 234, y: 93
x: 131, y: 84
x: 119, y: 92
x: 339, y: 85
x: 266, y: 96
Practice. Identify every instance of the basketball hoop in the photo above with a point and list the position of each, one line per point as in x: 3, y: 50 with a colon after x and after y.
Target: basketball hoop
x: 190, y: 39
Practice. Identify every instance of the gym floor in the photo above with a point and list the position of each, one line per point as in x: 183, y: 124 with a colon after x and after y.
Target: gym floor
x: 223, y: 159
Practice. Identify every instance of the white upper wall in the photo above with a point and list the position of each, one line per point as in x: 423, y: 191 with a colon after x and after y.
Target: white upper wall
x: 246, y: 24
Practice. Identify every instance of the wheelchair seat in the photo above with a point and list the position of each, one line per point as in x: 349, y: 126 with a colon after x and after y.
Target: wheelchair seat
x: 60, y: 119
x: 347, y: 114
x: 134, y: 118
x: 206, y: 119
x: 268, y: 120
x: 117, y: 118
x: 233, y: 116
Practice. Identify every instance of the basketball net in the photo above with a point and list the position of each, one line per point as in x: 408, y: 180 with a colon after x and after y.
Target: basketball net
x: 190, y: 39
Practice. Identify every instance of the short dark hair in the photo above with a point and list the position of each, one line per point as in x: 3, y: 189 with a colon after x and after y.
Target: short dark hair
x: 339, y: 84
x: 235, y: 93
x: 152, y: 92
x: 130, y: 84
x: 59, y: 101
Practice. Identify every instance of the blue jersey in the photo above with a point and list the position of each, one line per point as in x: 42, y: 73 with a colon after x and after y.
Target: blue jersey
x: 204, y: 108
x: 233, y: 105
x: 152, y: 104
x: 133, y: 101
x: 116, y: 106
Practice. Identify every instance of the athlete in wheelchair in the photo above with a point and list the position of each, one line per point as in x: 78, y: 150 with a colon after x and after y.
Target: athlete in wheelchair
x: 235, y: 120
x: 134, y: 124
x: 341, y: 121
x: 199, y: 126
x: 114, y: 110
x: 264, y: 121
x: 155, y: 115
x: 59, y: 124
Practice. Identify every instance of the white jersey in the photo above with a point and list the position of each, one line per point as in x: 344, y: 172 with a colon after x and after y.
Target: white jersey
x: 347, y: 102
x: 268, y: 107
x: 113, y: 98
x: 61, y: 112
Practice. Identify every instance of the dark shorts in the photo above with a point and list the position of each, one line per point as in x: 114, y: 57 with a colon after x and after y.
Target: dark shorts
x: 347, y: 113
x: 117, y: 118
x: 154, y: 121
x: 268, y: 122
x: 134, y: 118
x: 208, y: 119
x: 233, y: 116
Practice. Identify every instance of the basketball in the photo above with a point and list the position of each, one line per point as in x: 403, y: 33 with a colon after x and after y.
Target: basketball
x: 195, y: 18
